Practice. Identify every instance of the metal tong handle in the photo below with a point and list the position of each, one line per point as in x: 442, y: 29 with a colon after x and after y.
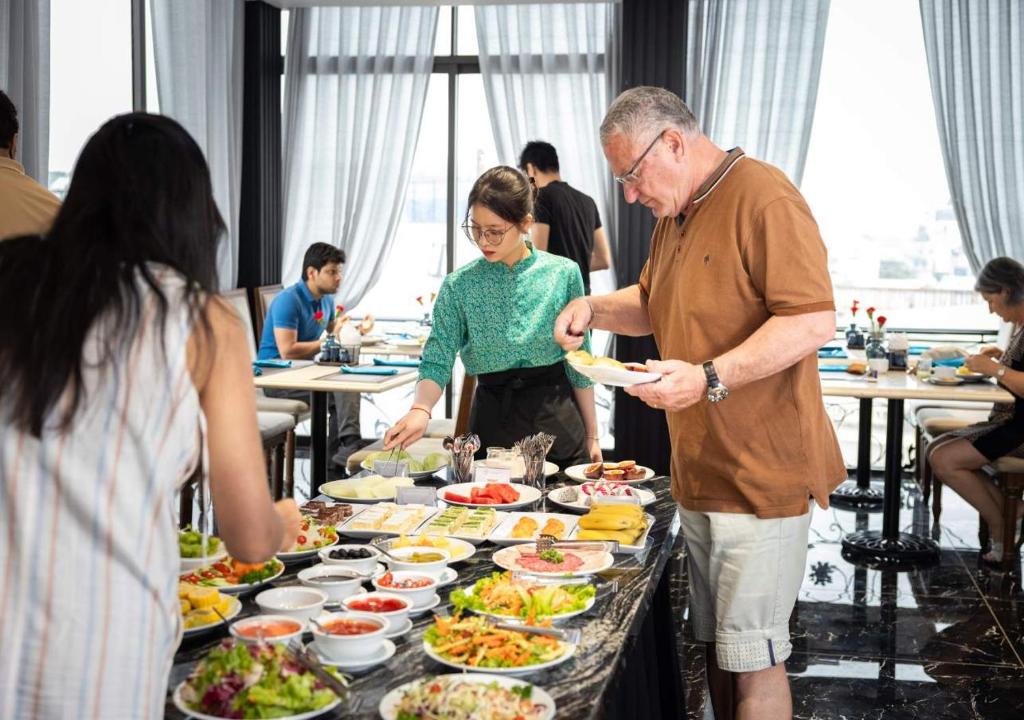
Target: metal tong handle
x: 570, y: 635
x: 549, y: 542
x: 309, y: 661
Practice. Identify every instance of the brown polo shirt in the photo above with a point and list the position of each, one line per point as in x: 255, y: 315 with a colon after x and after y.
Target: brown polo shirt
x: 748, y: 249
x: 26, y: 207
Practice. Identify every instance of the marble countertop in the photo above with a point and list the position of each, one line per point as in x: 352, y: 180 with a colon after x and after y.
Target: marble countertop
x: 578, y: 686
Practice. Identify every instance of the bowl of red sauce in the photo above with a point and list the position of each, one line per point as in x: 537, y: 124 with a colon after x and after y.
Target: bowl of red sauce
x: 418, y: 588
x: 392, y: 608
x: 266, y: 628
x: 349, y: 636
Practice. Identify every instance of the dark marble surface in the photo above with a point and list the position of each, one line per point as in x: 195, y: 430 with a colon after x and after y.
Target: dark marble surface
x: 944, y: 642
x: 579, y: 686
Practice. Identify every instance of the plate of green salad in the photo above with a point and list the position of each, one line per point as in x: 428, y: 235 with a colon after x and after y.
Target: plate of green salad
x: 239, y: 680
x: 499, y: 596
x: 467, y: 697
x: 190, y: 549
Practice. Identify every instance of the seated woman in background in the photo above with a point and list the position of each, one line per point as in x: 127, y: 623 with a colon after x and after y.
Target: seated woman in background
x: 957, y: 457
x: 120, y: 367
x: 497, y: 312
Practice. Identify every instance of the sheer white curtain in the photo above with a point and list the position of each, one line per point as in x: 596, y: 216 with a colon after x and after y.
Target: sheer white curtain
x: 976, y: 62
x: 25, y: 77
x: 549, y: 71
x: 198, y: 49
x: 752, y: 75
x: 355, y: 84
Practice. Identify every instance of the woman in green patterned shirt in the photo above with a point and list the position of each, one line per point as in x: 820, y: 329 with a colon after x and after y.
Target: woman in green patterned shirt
x: 498, y: 311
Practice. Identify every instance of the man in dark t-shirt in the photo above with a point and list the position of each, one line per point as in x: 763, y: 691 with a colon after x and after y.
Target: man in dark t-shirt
x: 566, y: 221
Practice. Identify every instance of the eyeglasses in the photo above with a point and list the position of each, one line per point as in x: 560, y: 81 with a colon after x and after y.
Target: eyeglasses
x: 630, y: 175
x: 491, y: 236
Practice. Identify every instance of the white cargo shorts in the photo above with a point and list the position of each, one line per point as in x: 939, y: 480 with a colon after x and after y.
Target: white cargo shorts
x: 745, y: 573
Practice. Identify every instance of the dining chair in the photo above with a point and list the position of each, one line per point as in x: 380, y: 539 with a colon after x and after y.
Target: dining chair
x: 264, y: 295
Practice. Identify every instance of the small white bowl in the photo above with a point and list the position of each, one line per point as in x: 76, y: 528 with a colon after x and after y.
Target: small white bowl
x: 364, y: 566
x: 299, y: 603
x: 345, y: 648
x: 419, y: 596
x: 336, y: 580
x: 433, y: 568
x: 237, y: 628
x: 396, y: 619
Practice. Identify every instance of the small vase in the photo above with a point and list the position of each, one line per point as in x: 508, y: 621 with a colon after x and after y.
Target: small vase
x: 875, y: 348
x: 854, y: 338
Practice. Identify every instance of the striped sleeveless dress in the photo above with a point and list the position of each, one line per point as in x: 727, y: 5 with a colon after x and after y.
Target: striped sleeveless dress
x: 89, y: 617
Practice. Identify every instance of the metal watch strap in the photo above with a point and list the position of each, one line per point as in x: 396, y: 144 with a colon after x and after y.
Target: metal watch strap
x: 711, y: 375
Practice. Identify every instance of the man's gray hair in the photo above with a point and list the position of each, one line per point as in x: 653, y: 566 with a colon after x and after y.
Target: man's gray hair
x: 643, y: 111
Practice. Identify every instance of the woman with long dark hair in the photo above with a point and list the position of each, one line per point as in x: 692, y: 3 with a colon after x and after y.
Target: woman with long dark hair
x: 497, y: 312
x: 957, y: 457
x: 120, y: 369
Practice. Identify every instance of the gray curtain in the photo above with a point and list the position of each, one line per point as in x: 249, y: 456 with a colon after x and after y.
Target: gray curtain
x: 752, y: 75
x: 976, y: 63
x: 355, y: 86
x: 550, y: 71
x: 25, y: 77
x: 198, y: 49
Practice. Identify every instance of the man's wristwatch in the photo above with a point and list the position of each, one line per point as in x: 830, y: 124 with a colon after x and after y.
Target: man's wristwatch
x: 717, y: 392
x: 1000, y: 372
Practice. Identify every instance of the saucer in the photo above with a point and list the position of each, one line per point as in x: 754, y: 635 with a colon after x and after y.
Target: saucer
x: 340, y: 603
x: 417, y: 611
x: 387, y: 649
x: 447, y: 577
x: 406, y: 627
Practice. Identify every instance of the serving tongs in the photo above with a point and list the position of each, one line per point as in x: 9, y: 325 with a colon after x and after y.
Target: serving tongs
x: 309, y: 661
x: 550, y: 542
x: 568, y: 635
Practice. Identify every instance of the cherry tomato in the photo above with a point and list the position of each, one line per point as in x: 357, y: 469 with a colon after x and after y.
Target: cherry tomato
x: 302, y: 540
x: 208, y: 575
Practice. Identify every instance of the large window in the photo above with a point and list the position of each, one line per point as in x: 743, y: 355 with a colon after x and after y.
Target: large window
x: 90, y: 76
x: 875, y: 179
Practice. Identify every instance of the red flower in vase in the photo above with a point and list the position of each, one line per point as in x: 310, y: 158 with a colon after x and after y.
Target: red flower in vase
x: 881, y: 321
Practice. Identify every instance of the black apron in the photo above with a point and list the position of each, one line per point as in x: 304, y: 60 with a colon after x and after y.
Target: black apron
x: 511, y: 404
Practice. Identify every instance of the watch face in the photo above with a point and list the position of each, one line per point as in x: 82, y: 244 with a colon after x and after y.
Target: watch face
x: 718, y: 394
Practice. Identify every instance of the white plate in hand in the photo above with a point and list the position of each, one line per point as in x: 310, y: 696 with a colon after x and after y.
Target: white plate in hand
x: 613, y: 376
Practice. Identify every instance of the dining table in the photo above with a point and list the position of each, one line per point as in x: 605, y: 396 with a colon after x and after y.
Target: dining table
x: 891, y: 548
x: 319, y: 380
x: 625, y: 666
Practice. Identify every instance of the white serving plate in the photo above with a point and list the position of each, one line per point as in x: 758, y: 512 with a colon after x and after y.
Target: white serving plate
x: 189, y: 564
x: 331, y: 490
x: 346, y: 529
x: 527, y: 495
x: 180, y: 704
x: 641, y: 542
x: 499, y: 517
x: 502, y: 533
x: 388, y: 707
x: 615, y: 377
x: 506, y: 556
x: 471, y: 590
x: 296, y: 556
x: 233, y: 589
x: 564, y: 657
x: 236, y: 607
x: 415, y: 474
x: 576, y: 473
x: 582, y: 502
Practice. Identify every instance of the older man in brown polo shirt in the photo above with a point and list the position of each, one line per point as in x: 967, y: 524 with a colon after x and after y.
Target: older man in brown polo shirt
x: 737, y: 293
x: 26, y: 207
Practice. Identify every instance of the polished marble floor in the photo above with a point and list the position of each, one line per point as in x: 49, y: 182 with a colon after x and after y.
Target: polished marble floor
x: 939, y: 643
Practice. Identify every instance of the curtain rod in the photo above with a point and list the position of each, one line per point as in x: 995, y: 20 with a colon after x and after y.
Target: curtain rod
x: 289, y: 4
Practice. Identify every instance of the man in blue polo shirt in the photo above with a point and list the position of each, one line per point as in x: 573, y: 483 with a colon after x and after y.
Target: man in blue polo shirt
x: 296, y: 320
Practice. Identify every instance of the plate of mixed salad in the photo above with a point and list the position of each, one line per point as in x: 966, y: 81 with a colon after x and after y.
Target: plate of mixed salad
x: 238, y: 680
x: 234, y: 576
x: 502, y: 597
x: 190, y: 549
x: 474, y: 643
x: 312, y: 537
x: 467, y: 697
